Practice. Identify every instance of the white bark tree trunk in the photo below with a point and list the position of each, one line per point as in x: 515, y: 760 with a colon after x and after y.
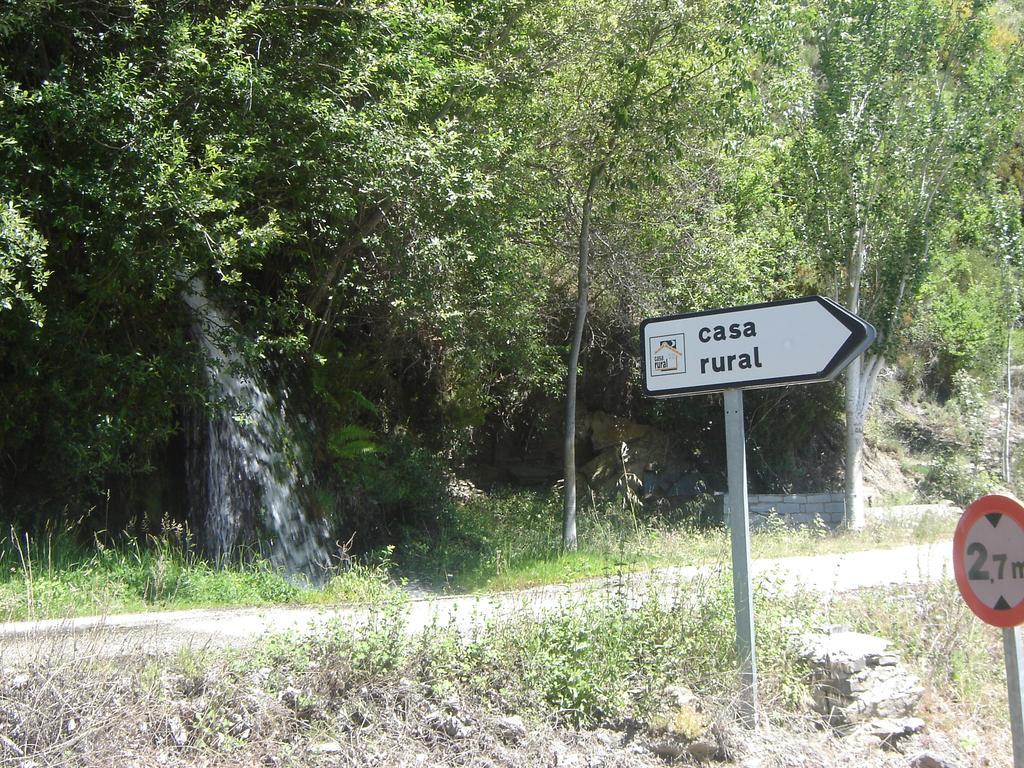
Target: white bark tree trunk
x: 582, y: 303
x: 854, y: 448
x: 861, y: 376
x: 1007, y: 461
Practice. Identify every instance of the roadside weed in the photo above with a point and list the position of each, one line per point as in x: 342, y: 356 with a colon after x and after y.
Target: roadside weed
x: 57, y: 577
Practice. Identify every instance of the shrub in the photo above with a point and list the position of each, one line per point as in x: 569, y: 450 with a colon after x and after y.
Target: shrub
x: 953, y: 477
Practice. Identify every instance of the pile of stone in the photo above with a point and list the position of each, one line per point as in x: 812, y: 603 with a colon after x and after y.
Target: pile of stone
x: 858, y: 683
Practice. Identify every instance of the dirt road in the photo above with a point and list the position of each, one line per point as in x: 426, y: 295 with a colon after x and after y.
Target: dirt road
x: 166, y: 632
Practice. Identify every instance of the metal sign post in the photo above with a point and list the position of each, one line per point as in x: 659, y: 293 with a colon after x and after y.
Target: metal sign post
x: 1013, y: 649
x: 795, y: 341
x: 739, y: 525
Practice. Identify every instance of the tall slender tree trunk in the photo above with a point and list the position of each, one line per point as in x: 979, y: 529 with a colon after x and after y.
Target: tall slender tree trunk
x: 854, y: 490
x: 861, y: 376
x: 1007, y: 463
x: 582, y: 305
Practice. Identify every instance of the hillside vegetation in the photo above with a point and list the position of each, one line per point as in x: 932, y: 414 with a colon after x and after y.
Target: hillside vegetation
x: 388, y: 203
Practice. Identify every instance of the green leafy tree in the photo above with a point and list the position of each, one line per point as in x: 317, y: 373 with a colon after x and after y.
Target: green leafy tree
x: 910, y: 101
x: 336, y: 174
x: 632, y: 89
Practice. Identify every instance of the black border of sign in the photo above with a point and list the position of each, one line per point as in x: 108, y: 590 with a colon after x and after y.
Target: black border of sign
x: 862, y: 334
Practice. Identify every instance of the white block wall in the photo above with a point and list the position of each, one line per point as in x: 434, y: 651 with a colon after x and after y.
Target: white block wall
x: 799, y: 509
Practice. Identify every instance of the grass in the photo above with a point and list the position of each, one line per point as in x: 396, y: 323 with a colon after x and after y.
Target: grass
x: 514, y: 543
x: 383, y: 696
x: 503, y: 543
x: 57, y: 577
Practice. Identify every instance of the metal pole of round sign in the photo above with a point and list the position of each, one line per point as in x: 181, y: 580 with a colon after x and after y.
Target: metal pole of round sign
x: 988, y: 562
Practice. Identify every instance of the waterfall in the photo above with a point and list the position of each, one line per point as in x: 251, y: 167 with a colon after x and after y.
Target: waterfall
x: 239, y: 474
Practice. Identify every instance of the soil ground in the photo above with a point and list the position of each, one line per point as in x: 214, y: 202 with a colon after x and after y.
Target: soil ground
x: 136, y: 691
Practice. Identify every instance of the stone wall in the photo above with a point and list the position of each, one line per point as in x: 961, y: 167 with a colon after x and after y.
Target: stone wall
x: 857, y: 681
x: 796, y: 509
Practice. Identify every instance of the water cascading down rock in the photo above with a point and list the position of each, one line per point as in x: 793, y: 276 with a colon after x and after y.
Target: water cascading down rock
x: 239, y: 476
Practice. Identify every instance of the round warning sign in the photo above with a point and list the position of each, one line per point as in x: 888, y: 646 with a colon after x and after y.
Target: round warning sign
x: 988, y: 559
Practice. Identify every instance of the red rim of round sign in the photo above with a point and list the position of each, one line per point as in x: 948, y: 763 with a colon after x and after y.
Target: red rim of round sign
x: 986, y: 505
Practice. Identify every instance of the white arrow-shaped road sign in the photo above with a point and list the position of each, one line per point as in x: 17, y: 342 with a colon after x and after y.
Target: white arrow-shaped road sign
x: 795, y: 341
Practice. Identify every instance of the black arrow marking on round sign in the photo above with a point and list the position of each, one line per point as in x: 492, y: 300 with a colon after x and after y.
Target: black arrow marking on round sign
x: 994, y: 518
x: 1001, y: 604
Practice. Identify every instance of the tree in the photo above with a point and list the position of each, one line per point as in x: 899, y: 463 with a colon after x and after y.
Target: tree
x: 1009, y: 247
x: 336, y: 173
x: 633, y: 87
x: 910, y: 101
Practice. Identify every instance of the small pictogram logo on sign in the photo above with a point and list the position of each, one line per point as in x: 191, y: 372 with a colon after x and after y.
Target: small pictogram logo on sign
x: 667, y: 355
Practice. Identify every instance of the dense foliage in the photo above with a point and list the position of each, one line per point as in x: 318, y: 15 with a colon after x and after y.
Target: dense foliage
x: 386, y: 197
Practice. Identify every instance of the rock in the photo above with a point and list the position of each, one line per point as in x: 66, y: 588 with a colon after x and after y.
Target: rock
x: 359, y: 718
x: 407, y: 686
x: 290, y: 696
x: 604, y: 472
x: 856, y: 679
x: 703, y: 750
x: 895, y: 696
x: 624, y: 450
x: 606, y: 738
x: 463, y: 490
x: 19, y: 681
x: 669, y: 749
x: 453, y: 704
x: 177, y: 730
x: 457, y: 729
x: 889, y: 731
x: 679, y: 696
x: 511, y: 729
x: 420, y: 758
x: 608, y: 431
x: 930, y: 760
x: 449, y: 725
x: 564, y: 757
x: 844, y: 652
